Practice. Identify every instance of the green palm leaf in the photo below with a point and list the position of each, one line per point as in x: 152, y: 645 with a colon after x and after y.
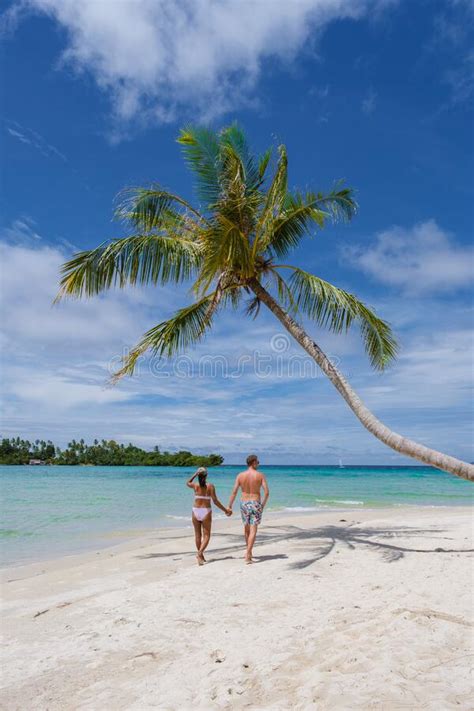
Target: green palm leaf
x: 187, y: 327
x: 263, y: 163
x: 294, y: 222
x: 339, y: 202
x: 149, y: 209
x: 233, y: 138
x: 285, y: 294
x: 337, y: 309
x: 140, y: 259
x: 273, y: 205
x: 201, y: 150
x: 300, y: 212
x: 226, y: 249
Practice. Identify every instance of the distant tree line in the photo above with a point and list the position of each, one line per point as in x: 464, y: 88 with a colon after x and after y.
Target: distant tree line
x: 103, y: 453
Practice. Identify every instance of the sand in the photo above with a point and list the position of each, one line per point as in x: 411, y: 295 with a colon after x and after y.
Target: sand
x: 370, y: 612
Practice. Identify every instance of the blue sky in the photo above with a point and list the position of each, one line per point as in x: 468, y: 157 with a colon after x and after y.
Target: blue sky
x: 377, y: 92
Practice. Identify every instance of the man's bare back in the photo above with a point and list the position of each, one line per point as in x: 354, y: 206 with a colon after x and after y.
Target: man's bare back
x: 250, y: 482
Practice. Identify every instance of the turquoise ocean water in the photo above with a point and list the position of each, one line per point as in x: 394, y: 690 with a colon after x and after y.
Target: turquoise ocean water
x: 52, y: 511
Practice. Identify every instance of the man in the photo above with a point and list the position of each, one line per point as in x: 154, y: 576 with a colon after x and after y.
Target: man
x: 251, y: 482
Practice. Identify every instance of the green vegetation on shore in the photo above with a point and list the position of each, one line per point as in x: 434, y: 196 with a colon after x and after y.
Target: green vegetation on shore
x: 103, y: 453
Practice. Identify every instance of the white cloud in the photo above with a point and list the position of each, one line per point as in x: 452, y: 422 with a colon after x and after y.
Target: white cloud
x: 60, y: 390
x: 461, y: 79
x: 155, y: 57
x: 452, y: 37
x: 55, y: 357
x: 369, y: 103
x: 32, y: 138
x: 437, y: 361
x: 18, y: 135
x: 22, y: 231
x: 421, y: 259
x: 29, y: 283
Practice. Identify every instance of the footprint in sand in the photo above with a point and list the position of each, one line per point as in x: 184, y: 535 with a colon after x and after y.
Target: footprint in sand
x: 151, y: 655
x: 218, y: 656
x: 434, y: 613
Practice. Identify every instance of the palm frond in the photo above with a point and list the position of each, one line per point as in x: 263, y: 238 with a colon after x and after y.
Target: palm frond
x: 274, y: 201
x: 147, y: 208
x: 293, y: 223
x: 234, y: 138
x: 263, y: 163
x: 379, y: 341
x: 225, y: 249
x: 231, y: 297
x: 240, y: 198
x: 337, y: 309
x: 284, y: 292
x: 232, y: 177
x: 339, y: 202
x: 227, y: 292
x: 253, y: 307
x: 139, y: 259
x: 187, y: 327
x: 201, y: 150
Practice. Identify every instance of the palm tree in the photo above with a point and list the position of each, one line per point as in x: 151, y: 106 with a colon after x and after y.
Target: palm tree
x: 231, y: 247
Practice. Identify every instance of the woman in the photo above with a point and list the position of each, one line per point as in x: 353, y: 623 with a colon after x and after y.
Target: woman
x: 202, y: 512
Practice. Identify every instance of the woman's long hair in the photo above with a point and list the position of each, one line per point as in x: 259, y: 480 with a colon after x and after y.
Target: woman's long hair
x: 202, y: 476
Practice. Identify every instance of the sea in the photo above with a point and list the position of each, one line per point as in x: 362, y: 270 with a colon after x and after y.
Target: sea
x: 51, y: 511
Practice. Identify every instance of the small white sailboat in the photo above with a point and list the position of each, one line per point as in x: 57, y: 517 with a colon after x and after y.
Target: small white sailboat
x: 341, y: 465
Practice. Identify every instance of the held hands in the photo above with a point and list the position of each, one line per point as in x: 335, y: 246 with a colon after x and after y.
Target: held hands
x: 228, y: 512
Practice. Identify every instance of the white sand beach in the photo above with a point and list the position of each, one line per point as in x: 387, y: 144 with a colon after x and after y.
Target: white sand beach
x: 368, y: 609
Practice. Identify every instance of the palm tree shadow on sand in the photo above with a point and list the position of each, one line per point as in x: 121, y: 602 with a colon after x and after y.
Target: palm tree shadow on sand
x: 325, y: 540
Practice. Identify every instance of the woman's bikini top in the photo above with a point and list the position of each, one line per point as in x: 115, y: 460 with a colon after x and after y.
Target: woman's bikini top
x: 203, y: 497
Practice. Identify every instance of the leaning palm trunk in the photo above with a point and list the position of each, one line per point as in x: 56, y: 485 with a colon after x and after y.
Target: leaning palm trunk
x: 392, y: 439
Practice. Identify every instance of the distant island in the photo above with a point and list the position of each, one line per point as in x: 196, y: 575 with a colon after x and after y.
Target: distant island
x: 104, y: 453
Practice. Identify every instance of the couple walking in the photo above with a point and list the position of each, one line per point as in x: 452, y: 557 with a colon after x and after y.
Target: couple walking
x: 251, y: 481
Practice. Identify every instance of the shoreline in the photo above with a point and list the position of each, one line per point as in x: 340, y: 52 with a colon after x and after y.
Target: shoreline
x: 239, y: 465
x: 143, y: 534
